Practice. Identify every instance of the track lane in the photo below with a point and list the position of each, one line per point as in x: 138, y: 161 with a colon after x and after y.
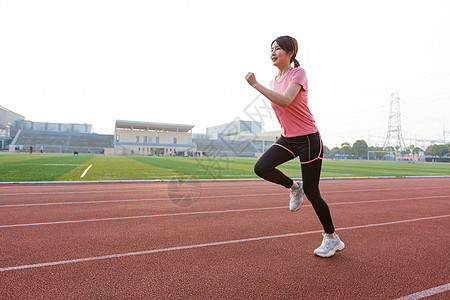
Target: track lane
x: 281, y: 267
x: 100, y: 190
x: 176, y: 212
x: 59, y: 241
x: 181, y: 202
x: 266, y: 268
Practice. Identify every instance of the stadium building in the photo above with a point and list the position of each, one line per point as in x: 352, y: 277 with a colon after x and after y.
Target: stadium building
x: 261, y: 140
x: 7, y: 117
x: 226, y: 140
x: 148, y: 138
x: 233, y: 128
x: 57, y: 138
x: 234, y: 139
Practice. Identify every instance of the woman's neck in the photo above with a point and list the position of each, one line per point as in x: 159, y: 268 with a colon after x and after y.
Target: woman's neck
x: 283, y: 71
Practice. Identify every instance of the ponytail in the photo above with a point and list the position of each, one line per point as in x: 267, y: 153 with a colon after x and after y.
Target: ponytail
x: 288, y: 44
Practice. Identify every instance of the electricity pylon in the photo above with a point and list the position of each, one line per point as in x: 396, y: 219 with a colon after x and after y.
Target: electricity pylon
x: 394, y: 136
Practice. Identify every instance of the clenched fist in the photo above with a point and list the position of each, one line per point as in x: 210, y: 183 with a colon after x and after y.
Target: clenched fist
x: 250, y: 77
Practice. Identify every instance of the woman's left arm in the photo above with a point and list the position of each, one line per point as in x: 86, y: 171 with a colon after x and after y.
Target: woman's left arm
x: 282, y: 100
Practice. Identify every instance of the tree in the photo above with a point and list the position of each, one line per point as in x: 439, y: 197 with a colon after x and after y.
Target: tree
x: 335, y: 151
x: 417, y: 150
x: 326, y: 151
x: 437, y: 150
x: 346, y: 148
x: 408, y: 150
x: 376, y: 155
x: 360, y: 148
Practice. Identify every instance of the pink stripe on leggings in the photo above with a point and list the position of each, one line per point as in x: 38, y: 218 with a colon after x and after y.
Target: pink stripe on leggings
x: 318, y: 157
x: 286, y: 149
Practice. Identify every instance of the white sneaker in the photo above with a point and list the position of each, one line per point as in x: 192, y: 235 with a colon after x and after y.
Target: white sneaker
x: 296, y: 198
x: 329, y: 246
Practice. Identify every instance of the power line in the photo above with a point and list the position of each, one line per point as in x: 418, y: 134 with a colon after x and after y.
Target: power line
x: 419, y: 80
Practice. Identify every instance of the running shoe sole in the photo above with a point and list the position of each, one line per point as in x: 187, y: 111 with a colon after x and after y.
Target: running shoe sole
x: 337, y: 248
x: 301, y: 197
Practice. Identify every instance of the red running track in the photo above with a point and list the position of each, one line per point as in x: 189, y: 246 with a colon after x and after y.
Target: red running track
x: 224, y: 239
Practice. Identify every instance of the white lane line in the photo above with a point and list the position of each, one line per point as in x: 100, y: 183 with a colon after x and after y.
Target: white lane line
x: 177, y: 178
x: 427, y: 293
x: 147, y: 216
x: 199, y: 197
x: 221, y: 188
x: 197, y: 213
x: 85, y: 171
x: 94, y: 258
x: 112, y: 191
x: 223, y: 184
x: 137, y: 200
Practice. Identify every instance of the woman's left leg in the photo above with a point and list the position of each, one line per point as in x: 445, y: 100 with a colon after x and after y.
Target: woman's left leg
x: 311, y: 177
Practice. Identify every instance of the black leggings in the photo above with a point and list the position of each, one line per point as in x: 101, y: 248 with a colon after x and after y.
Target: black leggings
x: 309, y: 148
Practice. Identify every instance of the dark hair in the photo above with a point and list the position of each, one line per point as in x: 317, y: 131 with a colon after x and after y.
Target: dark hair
x: 288, y: 44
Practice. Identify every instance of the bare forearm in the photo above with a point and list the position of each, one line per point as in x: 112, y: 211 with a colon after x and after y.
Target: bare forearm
x: 277, y: 98
x: 282, y: 100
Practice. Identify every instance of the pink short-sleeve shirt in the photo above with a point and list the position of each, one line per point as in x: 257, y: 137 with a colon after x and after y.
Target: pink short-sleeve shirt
x: 295, y: 119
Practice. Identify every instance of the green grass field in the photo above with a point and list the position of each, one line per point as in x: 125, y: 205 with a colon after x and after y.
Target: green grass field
x: 48, y: 167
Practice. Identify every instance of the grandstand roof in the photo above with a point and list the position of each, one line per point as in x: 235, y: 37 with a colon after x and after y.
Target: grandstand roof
x: 10, y: 111
x: 153, y: 126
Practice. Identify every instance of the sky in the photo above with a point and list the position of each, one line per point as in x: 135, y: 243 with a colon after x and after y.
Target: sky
x: 185, y: 62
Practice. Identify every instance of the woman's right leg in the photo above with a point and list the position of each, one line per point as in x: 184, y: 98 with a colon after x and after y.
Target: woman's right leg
x: 311, y: 178
x: 265, y: 167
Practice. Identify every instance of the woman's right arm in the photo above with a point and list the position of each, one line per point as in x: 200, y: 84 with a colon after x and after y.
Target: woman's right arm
x: 282, y: 100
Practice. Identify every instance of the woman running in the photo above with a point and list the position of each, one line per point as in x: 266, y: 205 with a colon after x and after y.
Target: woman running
x: 299, y: 137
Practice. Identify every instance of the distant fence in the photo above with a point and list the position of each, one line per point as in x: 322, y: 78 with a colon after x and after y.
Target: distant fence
x: 60, y: 149
x: 396, y: 156
x: 437, y: 159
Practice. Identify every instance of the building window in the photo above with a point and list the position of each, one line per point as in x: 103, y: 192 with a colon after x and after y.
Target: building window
x: 145, y: 140
x: 174, y: 140
x: 157, y: 139
x: 137, y: 139
x: 149, y: 139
